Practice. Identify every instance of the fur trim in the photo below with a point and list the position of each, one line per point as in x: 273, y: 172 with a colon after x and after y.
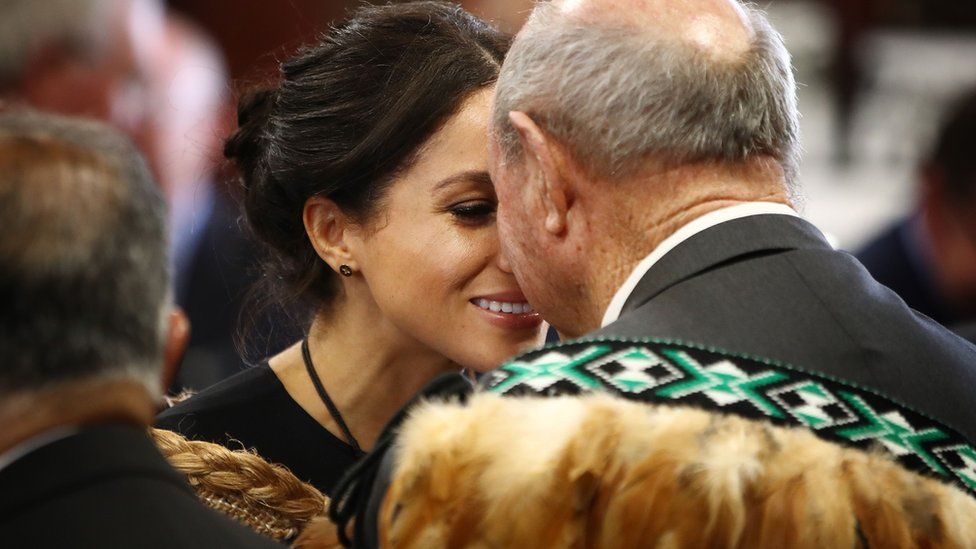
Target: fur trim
x: 603, y: 472
x: 318, y: 534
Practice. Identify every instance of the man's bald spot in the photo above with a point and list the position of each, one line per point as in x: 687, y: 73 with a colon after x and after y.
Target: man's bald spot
x: 719, y: 28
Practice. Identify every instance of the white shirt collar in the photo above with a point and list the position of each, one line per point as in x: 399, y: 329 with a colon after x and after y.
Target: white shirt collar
x: 688, y: 230
x: 35, y: 443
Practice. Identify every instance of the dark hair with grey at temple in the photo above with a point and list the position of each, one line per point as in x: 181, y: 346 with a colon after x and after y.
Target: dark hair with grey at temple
x: 83, y: 268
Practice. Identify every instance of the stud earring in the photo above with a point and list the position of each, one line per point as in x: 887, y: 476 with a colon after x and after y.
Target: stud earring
x: 345, y: 270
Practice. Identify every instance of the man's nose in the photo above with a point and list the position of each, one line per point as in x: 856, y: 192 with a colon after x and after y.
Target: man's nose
x: 503, y: 263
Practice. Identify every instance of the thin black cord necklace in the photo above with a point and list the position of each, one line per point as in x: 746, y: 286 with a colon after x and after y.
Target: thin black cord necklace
x: 333, y: 411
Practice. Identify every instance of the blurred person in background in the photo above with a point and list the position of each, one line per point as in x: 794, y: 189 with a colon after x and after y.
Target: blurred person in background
x: 929, y: 258
x: 163, y: 82
x: 214, y: 263
x: 88, y: 334
x: 364, y: 171
x: 82, y: 57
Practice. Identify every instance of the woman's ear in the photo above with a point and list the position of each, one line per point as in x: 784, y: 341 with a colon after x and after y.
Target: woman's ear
x: 327, y: 228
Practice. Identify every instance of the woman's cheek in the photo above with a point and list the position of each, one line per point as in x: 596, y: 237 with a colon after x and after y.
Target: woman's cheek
x: 456, y: 257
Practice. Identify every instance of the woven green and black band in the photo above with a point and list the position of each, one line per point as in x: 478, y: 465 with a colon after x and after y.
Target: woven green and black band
x: 663, y: 371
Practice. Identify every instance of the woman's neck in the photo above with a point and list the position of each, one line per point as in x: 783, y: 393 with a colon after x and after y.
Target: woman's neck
x: 368, y: 367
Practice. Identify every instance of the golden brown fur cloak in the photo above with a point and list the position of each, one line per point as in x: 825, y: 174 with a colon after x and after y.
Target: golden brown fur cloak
x: 604, y: 472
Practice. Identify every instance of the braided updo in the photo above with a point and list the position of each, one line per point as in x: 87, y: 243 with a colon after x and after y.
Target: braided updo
x: 348, y: 114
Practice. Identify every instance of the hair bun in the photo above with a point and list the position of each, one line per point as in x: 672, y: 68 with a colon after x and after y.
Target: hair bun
x: 246, y: 146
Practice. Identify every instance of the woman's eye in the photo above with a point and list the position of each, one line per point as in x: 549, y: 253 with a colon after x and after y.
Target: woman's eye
x: 473, y: 211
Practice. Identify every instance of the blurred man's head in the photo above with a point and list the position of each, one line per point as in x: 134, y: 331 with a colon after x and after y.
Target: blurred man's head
x: 84, y: 281
x: 612, y: 116
x: 948, y: 202
x: 80, y: 57
x: 154, y: 75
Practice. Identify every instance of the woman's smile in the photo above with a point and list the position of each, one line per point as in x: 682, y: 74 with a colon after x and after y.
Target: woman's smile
x: 507, y: 309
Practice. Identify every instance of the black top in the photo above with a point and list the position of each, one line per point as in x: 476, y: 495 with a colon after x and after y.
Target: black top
x: 108, y: 486
x: 253, y: 410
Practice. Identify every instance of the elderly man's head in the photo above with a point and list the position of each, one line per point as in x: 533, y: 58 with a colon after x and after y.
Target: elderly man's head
x: 81, y: 57
x: 84, y: 282
x: 597, y: 96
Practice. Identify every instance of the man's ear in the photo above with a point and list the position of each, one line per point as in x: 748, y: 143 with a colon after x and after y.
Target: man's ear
x: 177, y: 338
x: 545, y: 166
x: 327, y: 226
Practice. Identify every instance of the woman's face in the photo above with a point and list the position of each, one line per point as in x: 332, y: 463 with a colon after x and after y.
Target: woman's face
x: 431, y: 256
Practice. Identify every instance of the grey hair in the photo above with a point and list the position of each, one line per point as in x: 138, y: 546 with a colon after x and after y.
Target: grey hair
x: 614, y: 95
x: 83, y: 269
x: 27, y: 25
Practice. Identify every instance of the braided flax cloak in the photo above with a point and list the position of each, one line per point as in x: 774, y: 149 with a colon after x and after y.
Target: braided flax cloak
x: 266, y: 497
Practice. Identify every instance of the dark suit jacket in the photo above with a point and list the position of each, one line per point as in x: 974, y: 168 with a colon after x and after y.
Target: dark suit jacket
x: 967, y: 332
x: 108, y: 486
x: 771, y: 286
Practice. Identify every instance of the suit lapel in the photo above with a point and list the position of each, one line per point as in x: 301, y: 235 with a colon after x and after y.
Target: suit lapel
x: 728, y: 241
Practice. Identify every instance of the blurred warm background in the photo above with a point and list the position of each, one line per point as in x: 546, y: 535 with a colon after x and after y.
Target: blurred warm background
x: 876, y: 77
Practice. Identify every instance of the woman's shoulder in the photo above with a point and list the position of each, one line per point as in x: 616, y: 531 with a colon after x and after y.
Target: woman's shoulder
x: 221, y: 408
x: 253, y: 410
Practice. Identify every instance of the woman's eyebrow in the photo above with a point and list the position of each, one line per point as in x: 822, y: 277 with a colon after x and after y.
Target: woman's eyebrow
x: 479, y: 177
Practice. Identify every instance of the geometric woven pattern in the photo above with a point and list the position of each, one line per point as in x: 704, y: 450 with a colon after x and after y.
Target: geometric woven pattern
x: 961, y: 460
x: 633, y: 370
x: 813, y: 405
x: 662, y: 371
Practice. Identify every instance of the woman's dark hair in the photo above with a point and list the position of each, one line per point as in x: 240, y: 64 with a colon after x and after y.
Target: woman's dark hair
x: 348, y: 114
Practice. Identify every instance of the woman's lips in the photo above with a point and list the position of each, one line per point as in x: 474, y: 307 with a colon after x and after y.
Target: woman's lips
x: 508, y: 310
x: 515, y: 307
